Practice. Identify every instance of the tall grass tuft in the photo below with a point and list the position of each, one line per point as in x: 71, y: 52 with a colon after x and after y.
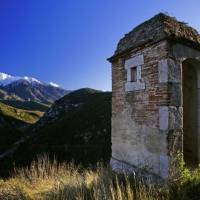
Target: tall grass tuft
x: 49, y: 180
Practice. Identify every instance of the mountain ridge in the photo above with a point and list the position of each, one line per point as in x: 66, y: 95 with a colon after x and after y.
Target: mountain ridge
x: 29, y: 89
x: 6, y: 79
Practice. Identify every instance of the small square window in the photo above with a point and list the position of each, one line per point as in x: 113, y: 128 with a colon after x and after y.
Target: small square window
x: 134, y: 74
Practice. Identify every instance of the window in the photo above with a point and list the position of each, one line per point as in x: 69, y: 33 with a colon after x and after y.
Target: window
x: 133, y: 68
x: 134, y: 74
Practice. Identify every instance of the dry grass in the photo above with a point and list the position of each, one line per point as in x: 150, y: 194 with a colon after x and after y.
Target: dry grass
x: 50, y: 180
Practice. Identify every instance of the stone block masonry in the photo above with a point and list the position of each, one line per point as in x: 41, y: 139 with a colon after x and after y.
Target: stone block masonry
x: 147, y: 112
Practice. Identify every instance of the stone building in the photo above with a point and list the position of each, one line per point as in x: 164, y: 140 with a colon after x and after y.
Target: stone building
x: 156, y: 96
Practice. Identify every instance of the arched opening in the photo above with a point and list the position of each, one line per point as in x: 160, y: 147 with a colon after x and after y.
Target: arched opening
x: 191, y: 110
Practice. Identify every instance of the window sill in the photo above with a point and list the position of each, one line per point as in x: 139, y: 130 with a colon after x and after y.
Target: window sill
x: 134, y: 86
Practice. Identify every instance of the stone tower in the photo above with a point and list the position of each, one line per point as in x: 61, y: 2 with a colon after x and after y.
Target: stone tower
x: 156, y: 96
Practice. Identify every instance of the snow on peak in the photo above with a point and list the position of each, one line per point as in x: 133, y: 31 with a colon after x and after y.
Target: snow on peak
x: 31, y: 80
x: 4, y: 76
x: 6, y: 79
x: 54, y: 84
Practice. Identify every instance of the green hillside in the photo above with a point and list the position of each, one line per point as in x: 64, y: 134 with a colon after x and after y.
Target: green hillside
x: 77, y: 127
x: 26, y: 116
x: 27, y: 105
x: 13, y: 122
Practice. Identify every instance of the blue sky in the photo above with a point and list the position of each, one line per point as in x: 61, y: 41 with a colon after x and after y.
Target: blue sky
x: 68, y: 41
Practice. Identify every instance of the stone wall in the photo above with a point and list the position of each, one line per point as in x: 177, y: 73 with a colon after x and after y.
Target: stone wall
x: 147, y: 113
x: 147, y: 123
x: 138, y: 136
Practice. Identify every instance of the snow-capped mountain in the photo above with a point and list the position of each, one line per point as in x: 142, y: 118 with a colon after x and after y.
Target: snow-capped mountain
x: 6, y: 79
x: 54, y: 84
x: 29, y: 89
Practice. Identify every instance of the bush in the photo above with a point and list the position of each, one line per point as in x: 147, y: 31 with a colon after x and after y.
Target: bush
x: 188, y: 185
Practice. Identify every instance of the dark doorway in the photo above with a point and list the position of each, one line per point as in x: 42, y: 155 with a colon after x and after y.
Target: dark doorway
x: 190, y: 112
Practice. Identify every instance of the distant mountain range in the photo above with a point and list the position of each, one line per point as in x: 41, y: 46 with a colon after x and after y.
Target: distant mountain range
x: 29, y: 89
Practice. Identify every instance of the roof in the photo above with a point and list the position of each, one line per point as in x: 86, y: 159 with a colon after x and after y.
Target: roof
x: 158, y: 28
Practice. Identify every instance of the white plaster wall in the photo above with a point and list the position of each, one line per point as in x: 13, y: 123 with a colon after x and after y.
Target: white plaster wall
x: 139, y: 145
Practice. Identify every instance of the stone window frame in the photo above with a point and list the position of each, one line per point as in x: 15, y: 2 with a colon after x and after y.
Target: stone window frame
x: 134, y: 62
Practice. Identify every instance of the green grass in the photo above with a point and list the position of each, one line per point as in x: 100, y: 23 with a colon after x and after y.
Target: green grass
x: 48, y: 180
x: 27, y: 105
x: 29, y: 117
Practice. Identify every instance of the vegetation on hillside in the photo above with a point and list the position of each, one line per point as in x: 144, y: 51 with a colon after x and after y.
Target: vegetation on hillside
x: 27, y: 105
x: 77, y: 127
x: 13, y: 121
x: 26, y: 116
x: 8, y: 132
x: 48, y: 180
